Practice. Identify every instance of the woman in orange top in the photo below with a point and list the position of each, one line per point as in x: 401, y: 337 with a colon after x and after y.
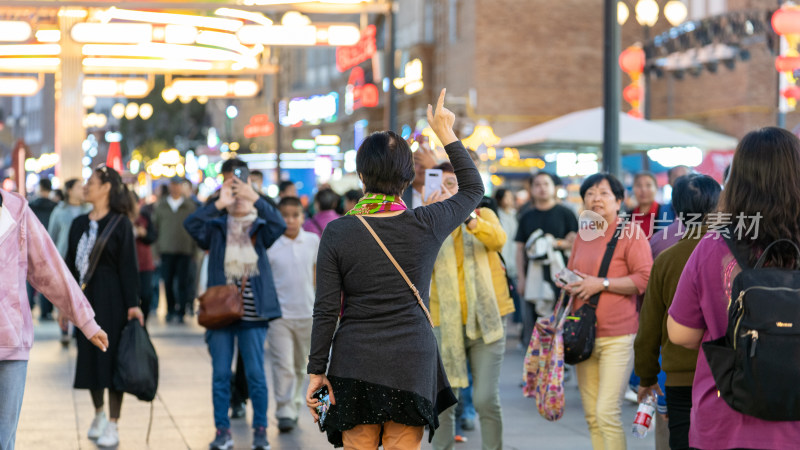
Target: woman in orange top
x: 602, y: 379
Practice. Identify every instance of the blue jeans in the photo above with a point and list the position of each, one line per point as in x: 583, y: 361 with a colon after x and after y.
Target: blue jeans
x: 12, y: 385
x: 251, y: 347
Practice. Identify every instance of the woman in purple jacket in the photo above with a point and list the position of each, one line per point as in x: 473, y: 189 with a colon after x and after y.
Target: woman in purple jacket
x: 28, y: 254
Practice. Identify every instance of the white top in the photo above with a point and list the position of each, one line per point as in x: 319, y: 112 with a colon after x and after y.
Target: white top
x: 174, y: 203
x: 292, y: 262
x: 416, y: 199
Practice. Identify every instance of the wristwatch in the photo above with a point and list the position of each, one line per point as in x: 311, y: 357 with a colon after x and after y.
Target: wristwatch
x: 471, y: 217
x: 606, y: 284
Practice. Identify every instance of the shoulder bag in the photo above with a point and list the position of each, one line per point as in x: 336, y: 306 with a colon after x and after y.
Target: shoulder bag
x: 97, y: 250
x: 579, y: 328
x: 220, y: 306
x: 399, y: 269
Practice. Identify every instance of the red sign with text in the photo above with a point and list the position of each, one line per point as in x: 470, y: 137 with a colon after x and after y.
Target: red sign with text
x: 348, y: 57
x: 259, y: 126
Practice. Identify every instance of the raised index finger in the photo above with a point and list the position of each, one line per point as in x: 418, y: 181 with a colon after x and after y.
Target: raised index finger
x: 440, y: 102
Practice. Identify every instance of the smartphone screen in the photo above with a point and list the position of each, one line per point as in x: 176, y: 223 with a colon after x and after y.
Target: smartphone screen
x: 242, y: 173
x: 433, y: 182
x: 322, y: 395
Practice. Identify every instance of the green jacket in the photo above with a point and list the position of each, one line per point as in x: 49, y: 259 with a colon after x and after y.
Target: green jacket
x: 678, y: 362
x: 172, y: 237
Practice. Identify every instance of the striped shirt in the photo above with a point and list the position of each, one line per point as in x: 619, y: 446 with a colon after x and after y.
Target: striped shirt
x: 250, y: 314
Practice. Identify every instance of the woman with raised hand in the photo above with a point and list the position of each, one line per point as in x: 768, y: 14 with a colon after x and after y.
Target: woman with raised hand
x: 102, y: 256
x: 385, y: 379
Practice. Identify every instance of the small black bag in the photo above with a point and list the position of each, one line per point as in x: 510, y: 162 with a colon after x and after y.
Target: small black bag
x: 137, y: 363
x: 756, y: 364
x: 579, y: 328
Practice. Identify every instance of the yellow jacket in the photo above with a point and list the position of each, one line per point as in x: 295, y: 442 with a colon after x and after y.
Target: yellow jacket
x: 491, y: 234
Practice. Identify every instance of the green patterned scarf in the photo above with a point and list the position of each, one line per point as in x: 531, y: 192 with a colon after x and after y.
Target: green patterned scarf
x: 377, y: 203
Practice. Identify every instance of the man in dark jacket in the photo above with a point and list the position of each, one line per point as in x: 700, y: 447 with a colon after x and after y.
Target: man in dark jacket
x: 175, y: 248
x: 43, y: 207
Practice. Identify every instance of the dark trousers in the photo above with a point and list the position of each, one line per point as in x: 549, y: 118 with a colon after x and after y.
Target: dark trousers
x: 146, y: 292
x: 239, y: 391
x: 175, y: 270
x: 679, y: 405
x: 45, y: 307
x: 529, y: 317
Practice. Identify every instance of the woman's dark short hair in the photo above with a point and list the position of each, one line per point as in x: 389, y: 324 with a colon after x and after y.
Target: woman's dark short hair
x: 327, y: 199
x: 647, y: 174
x: 385, y: 163
x: 499, y: 194
x: 446, y: 167
x: 695, y: 194
x: 594, y: 180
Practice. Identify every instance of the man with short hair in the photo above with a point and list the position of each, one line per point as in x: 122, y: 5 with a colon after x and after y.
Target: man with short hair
x: 287, y: 188
x: 554, y: 220
x: 175, y: 248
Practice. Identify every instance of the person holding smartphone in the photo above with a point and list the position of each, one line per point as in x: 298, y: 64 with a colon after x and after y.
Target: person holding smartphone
x: 603, y: 378
x: 385, y: 379
x: 237, y: 242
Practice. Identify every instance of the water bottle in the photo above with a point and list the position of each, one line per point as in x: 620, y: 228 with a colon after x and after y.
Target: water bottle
x: 644, y: 416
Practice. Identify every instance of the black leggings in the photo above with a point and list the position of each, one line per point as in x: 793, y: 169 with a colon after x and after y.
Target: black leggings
x: 114, y: 400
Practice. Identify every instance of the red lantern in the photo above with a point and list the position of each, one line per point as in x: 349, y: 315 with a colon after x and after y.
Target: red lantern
x: 791, y: 92
x: 114, y: 157
x: 787, y: 63
x: 632, y: 93
x: 636, y: 114
x: 786, y: 21
x: 631, y: 60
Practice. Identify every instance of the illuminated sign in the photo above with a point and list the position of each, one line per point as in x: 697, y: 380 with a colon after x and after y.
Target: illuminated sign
x: 364, y: 49
x: 311, y: 110
x: 411, y: 83
x: 358, y: 93
x: 259, y: 126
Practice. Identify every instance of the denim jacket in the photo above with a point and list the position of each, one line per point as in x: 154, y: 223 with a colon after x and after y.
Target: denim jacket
x: 209, y: 226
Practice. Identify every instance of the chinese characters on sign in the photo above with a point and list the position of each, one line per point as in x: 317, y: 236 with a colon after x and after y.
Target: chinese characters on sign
x: 311, y: 110
x: 348, y: 57
x: 259, y: 126
x: 411, y: 83
x: 358, y: 93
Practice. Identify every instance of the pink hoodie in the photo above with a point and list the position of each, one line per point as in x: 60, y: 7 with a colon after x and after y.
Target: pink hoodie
x: 26, y: 252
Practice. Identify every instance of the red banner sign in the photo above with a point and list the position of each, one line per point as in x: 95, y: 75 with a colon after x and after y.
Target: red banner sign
x: 348, y: 57
x: 259, y: 126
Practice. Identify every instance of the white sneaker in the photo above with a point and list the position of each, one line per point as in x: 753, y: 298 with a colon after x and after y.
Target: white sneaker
x: 110, y: 437
x: 631, y: 396
x: 98, y: 425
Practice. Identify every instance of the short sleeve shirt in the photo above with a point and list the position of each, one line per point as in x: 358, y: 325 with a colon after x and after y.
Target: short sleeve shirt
x: 558, y: 221
x: 292, y: 262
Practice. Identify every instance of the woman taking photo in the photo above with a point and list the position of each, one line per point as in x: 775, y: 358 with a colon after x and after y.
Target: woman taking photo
x: 764, y: 188
x: 385, y: 379
x: 110, y: 281
x: 603, y: 378
x: 236, y: 230
x: 29, y: 255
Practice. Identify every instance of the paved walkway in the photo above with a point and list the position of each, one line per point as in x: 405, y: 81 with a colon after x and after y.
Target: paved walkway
x: 54, y: 416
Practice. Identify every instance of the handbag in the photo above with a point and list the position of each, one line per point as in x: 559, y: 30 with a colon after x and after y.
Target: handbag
x: 399, y: 269
x: 580, y: 326
x: 137, y: 363
x: 543, y: 375
x: 220, y: 306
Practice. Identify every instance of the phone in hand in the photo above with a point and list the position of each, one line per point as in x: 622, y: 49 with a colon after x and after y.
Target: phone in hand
x: 242, y: 173
x: 567, y: 276
x: 321, y: 394
x: 433, y: 182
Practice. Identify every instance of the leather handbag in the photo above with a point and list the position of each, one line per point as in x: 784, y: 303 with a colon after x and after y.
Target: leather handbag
x: 580, y: 326
x: 221, y: 306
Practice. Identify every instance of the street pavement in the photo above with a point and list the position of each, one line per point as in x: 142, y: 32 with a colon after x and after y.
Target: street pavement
x: 55, y: 416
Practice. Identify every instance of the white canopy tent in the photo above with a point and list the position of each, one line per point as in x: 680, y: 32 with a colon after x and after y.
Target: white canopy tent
x: 585, y: 129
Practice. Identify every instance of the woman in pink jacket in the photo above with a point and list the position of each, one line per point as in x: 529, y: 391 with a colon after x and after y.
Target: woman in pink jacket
x: 27, y: 253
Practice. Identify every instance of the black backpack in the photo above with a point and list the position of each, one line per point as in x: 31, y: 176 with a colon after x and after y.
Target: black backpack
x: 756, y: 365
x: 137, y: 363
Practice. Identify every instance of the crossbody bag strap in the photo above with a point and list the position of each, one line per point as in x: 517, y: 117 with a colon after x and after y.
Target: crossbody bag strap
x: 99, y: 246
x: 609, y: 254
x: 399, y: 269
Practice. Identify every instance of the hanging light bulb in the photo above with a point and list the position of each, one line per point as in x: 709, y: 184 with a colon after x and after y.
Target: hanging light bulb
x: 647, y: 12
x: 675, y: 12
x: 622, y: 13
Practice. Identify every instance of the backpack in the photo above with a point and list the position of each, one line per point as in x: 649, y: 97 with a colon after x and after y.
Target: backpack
x: 756, y: 364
